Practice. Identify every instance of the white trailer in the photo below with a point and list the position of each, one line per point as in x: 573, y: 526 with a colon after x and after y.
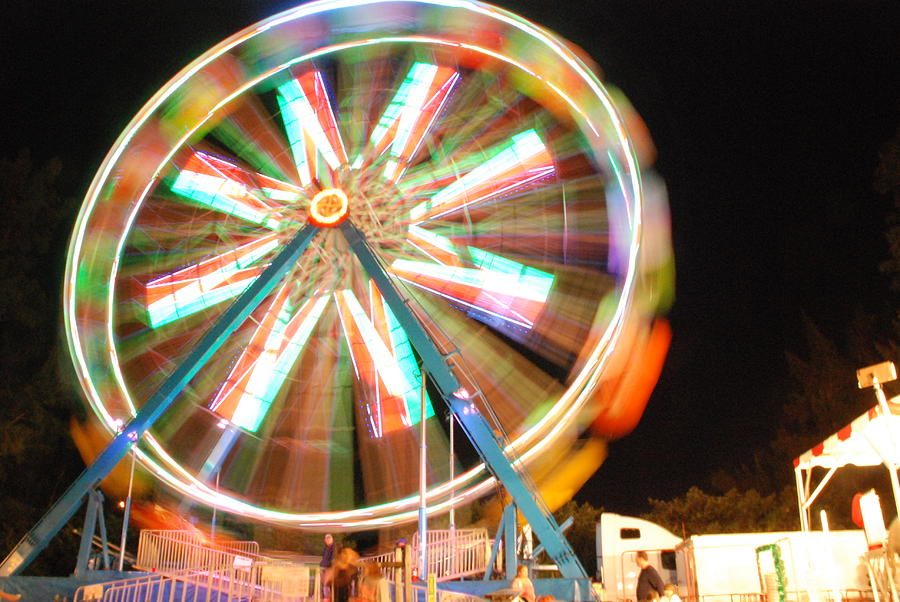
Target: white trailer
x: 725, y: 567
x: 816, y: 565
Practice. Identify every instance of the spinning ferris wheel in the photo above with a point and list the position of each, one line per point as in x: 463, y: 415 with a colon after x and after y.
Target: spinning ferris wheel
x: 386, y: 189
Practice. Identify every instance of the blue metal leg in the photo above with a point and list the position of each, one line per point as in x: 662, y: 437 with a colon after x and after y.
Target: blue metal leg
x: 510, y: 526
x: 481, y: 434
x: 40, y: 535
x: 94, y: 511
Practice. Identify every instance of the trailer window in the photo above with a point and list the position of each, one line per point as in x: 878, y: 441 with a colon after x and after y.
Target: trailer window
x: 630, y: 533
x: 667, y: 558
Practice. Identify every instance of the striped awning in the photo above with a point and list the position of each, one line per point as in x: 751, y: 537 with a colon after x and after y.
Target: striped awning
x: 870, y: 440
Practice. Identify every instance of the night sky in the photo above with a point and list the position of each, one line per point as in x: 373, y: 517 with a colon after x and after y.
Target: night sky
x: 767, y: 116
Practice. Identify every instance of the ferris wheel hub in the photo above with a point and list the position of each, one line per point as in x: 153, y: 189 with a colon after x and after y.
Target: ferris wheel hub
x: 329, y: 207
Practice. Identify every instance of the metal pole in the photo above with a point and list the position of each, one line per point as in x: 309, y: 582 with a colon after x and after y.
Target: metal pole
x: 889, y: 462
x: 453, y: 551
x: 212, y: 533
x: 452, y: 475
x: 423, y: 458
x: 127, y: 513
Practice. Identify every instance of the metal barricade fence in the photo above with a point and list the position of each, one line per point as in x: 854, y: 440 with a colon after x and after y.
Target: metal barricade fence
x: 177, y: 550
x: 185, y: 563
x: 262, y: 582
x: 455, y: 553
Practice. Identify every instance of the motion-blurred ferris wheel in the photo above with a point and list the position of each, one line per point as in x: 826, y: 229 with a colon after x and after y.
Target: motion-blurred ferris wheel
x: 484, y: 166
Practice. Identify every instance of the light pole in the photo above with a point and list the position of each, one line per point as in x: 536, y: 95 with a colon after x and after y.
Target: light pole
x: 423, y: 458
x: 874, y: 376
x: 127, y: 513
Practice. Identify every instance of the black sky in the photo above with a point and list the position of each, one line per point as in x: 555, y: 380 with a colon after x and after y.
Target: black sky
x: 768, y: 118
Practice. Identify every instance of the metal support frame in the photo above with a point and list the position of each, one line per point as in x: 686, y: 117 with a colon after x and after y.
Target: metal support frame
x: 563, y: 526
x: 483, y: 437
x: 49, y: 525
x: 92, y: 519
x: 506, y: 535
x: 511, y: 547
x: 486, y: 441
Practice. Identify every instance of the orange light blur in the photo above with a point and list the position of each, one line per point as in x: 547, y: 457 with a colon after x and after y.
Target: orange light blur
x: 329, y: 207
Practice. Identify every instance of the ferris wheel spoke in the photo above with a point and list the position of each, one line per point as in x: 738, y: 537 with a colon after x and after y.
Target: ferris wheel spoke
x: 382, y: 359
x: 312, y: 431
x: 249, y: 133
x: 206, y: 283
x: 500, y: 287
x: 482, y: 110
x: 225, y: 187
x: 311, y: 126
x: 263, y: 366
x: 511, y: 165
x: 408, y: 118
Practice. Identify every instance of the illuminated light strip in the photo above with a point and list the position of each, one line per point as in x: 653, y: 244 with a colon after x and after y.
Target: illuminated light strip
x: 445, y: 295
x: 274, y: 320
x: 393, y: 378
x: 498, y: 285
x: 272, y: 350
x: 224, y: 187
x: 390, y: 356
x: 522, y: 160
x: 438, y: 247
x: 278, y: 190
x: 310, y: 125
x: 403, y: 354
x: 402, y: 351
x: 527, y: 283
x: 363, y: 365
x: 202, y: 285
x: 410, y: 115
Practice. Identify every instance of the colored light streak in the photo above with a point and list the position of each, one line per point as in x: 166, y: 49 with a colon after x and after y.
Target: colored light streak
x: 403, y: 353
x: 499, y: 286
x: 515, y: 163
x: 310, y: 125
x: 202, y: 285
x: 438, y: 247
x: 225, y: 187
x: 382, y: 357
x: 410, y: 115
x: 264, y: 365
x: 278, y: 190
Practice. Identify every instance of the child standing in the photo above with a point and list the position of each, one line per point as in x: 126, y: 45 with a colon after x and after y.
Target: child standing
x: 670, y: 593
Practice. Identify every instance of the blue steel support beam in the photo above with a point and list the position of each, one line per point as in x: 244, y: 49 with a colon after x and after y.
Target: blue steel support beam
x: 46, y: 529
x: 510, y: 541
x: 486, y: 442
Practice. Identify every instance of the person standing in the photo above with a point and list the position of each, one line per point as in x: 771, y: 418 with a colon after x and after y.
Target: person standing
x: 374, y: 587
x: 325, y: 566
x: 344, y: 574
x: 523, y: 584
x: 648, y: 580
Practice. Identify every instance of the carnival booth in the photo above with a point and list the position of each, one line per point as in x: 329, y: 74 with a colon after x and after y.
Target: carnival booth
x: 870, y: 440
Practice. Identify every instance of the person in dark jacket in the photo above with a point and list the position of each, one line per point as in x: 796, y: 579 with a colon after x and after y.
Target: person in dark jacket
x: 325, y: 564
x: 649, y: 580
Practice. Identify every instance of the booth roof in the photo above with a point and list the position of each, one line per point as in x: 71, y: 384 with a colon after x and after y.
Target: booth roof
x: 870, y: 440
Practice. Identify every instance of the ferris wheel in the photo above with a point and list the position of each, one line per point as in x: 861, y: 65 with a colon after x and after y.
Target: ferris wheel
x: 448, y: 156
